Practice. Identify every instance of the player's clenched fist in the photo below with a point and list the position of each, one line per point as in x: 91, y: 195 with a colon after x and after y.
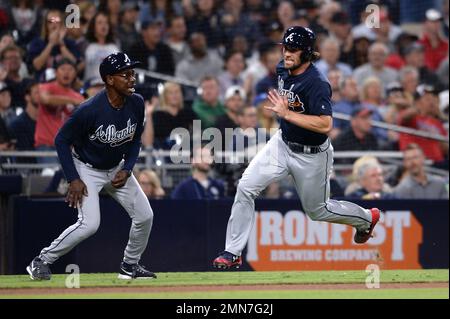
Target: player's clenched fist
x: 120, y: 179
x: 77, y: 189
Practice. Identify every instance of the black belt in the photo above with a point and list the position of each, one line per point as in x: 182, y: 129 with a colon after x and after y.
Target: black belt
x: 89, y: 164
x: 300, y: 148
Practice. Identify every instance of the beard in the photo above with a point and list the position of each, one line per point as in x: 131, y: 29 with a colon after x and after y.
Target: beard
x: 293, y: 67
x: 198, y: 52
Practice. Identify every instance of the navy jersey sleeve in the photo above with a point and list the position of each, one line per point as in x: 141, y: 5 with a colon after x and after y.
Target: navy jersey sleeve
x: 133, y: 153
x: 320, y: 99
x: 71, y: 131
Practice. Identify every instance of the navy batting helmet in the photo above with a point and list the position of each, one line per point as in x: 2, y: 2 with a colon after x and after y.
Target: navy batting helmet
x: 115, y: 63
x: 300, y: 38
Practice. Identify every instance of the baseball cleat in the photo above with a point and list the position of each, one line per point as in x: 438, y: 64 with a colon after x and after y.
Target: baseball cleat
x: 362, y: 236
x: 135, y: 271
x: 39, y: 270
x: 227, y: 260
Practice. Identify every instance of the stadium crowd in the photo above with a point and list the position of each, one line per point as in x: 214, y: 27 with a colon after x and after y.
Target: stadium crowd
x: 395, y: 72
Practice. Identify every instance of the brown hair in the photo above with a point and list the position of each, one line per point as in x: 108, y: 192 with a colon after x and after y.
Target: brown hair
x: 90, y: 33
x: 11, y: 47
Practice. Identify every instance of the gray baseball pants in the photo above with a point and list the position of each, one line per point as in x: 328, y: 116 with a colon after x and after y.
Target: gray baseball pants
x: 311, y: 173
x: 130, y: 196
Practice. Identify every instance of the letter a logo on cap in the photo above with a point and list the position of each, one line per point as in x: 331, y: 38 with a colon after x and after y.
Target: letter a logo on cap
x: 290, y: 37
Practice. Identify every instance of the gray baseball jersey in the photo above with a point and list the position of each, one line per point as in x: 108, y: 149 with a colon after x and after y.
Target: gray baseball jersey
x: 305, y: 155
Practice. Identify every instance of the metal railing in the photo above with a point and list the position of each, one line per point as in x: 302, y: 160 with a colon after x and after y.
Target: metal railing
x: 162, y: 159
x: 397, y: 128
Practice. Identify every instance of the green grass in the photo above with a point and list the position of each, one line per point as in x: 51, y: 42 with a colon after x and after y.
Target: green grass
x: 240, y: 278
x: 426, y: 293
x: 231, y: 278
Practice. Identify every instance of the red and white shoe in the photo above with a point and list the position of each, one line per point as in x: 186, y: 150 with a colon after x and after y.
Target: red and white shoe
x: 227, y: 260
x: 362, y: 236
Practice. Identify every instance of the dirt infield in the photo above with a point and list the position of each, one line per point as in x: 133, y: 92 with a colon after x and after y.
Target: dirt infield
x: 203, y: 288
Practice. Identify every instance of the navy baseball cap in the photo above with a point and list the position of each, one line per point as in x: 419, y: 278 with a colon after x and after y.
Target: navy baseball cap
x: 115, y: 63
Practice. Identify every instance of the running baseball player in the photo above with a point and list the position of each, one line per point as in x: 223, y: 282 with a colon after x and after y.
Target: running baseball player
x: 98, y: 147
x: 300, y: 148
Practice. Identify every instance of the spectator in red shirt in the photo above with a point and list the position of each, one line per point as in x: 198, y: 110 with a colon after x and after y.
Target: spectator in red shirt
x: 433, y: 40
x: 57, y: 101
x: 395, y: 59
x: 424, y: 116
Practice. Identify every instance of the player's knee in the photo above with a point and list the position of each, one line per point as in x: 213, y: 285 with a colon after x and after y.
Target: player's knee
x: 244, y: 189
x: 145, y: 217
x: 315, y: 214
x: 90, y: 229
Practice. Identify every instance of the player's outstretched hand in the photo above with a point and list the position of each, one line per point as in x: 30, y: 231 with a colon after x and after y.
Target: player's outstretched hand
x: 120, y: 179
x: 279, y: 104
x: 77, y: 189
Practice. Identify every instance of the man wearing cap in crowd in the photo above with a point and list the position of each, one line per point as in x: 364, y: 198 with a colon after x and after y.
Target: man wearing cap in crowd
x: 424, y: 116
x: 155, y: 55
x: 414, y: 56
x: 57, y: 101
x: 358, y: 136
x: 395, y: 59
x: 340, y: 29
x: 126, y: 31
x: 234, y: 102
x: 433, y: 40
